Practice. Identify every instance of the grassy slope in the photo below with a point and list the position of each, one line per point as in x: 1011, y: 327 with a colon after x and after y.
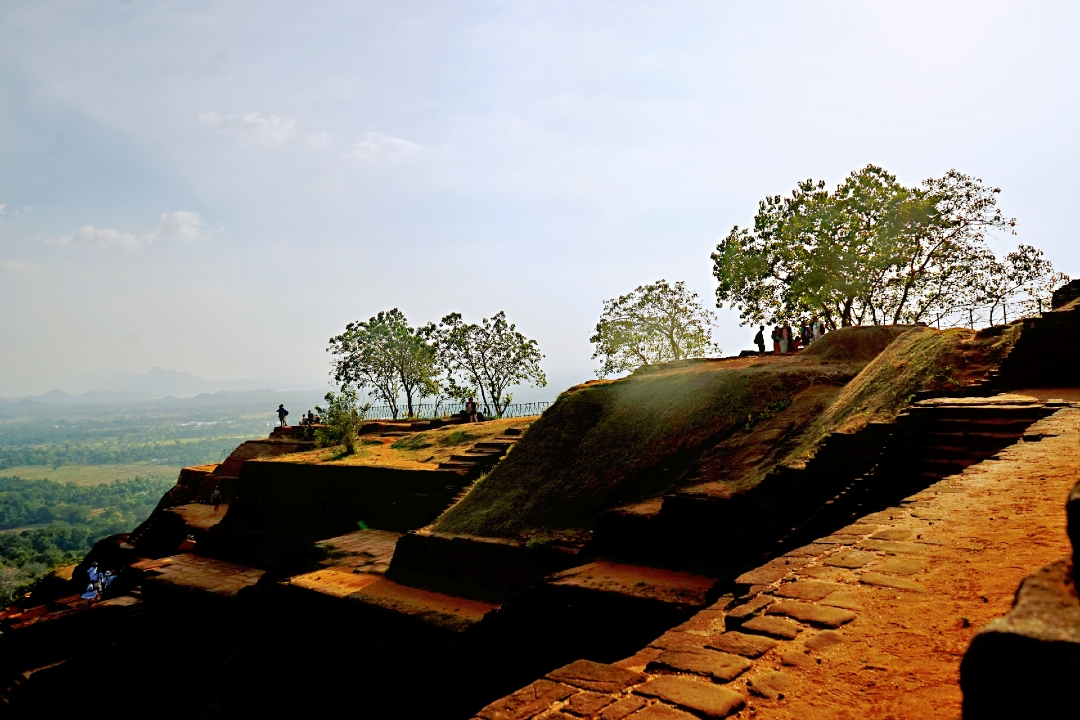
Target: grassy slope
x: 610, y: 443
x: 922, y: 359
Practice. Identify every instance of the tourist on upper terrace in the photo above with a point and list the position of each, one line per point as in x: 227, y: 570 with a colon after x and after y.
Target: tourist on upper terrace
x: 776, y: 339
x: 470, y: 410
x: 282, y: 413
x: 816, y: 328
x: 785, y: 338
x: 310, y: 418
x: 807, y: 336
x: 759, y: 340
x: 215, y: 498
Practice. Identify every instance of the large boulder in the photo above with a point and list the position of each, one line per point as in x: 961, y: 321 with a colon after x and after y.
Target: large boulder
x: 1026, y: 664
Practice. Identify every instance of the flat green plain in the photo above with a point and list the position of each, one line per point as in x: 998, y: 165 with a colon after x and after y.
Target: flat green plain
x: 91, y: 474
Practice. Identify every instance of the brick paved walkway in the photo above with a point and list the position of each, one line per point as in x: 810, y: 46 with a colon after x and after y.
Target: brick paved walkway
x: 871, y: 621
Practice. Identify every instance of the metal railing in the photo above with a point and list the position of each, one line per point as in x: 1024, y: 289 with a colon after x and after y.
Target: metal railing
x: 431, y: 410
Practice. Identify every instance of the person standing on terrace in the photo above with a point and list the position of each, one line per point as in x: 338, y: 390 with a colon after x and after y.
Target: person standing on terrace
x: 470, y: 410
x: 281, y: 413
x: 759, y: 340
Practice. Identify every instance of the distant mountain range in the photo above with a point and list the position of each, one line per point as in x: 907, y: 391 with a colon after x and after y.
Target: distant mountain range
x: 115, y: 386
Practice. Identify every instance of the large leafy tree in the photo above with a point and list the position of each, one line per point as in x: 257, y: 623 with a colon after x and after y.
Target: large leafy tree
x: 490, y: 356
x: 386, y: 356
x: 872, y: 251
x: 653, y: 324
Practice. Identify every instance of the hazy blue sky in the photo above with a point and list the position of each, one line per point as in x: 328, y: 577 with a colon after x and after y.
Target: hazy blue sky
x: 218, y: 187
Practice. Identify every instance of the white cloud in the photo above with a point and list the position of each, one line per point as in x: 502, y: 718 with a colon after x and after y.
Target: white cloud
x: 11, y: 264
x: 377, y: 145
x: 104, y: 238
x: 22, y: 211
x: 181, y: 225
x: 184, y: 225
x: 251, y: 128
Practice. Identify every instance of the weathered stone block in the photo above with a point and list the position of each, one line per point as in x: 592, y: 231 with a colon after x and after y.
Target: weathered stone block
x: 807, y: 589
x: 622, y: 708
x: 819, y: 615
x: 824, y: 640
x: 770, y: 684
x: 660, y: 711
x: 794, y: 658
x: 589, y: 675
x: 773, y: 627
x: 708, y: 620
x: 738, y: 614
x: 527, y: 701
x: 843, y: 599
x: 672, y: 640
x: 900, y: 566
x: 719, y: 666
x: 764, y: 575
x: 1026, y: 664
x: 588, y: 704
x: 751, y: 646
x: 893, y: 534
x: 704, y: 699
x: 850, y: 559
x: 808, y: 551
x: 888, y: 581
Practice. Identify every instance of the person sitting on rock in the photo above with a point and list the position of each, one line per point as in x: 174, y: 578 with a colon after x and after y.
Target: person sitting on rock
x: 91, y: 593
x: 282, y: 413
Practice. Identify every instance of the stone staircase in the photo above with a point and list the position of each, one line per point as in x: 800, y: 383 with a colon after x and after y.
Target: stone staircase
x: 1041, y: 356
x: 483, y: 455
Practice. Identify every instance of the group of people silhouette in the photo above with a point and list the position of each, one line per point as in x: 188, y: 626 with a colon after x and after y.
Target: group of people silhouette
x: 309, y: 419
x: 98, y: 581
x: 786, y: 339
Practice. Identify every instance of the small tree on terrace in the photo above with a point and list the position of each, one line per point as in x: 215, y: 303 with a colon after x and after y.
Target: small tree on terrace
x: 491, y: 356
x: 387, y: 356
x: 342, y: 418
x: 653, y: 324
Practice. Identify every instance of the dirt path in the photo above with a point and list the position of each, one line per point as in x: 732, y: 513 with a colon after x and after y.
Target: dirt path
x: 962, y: 546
